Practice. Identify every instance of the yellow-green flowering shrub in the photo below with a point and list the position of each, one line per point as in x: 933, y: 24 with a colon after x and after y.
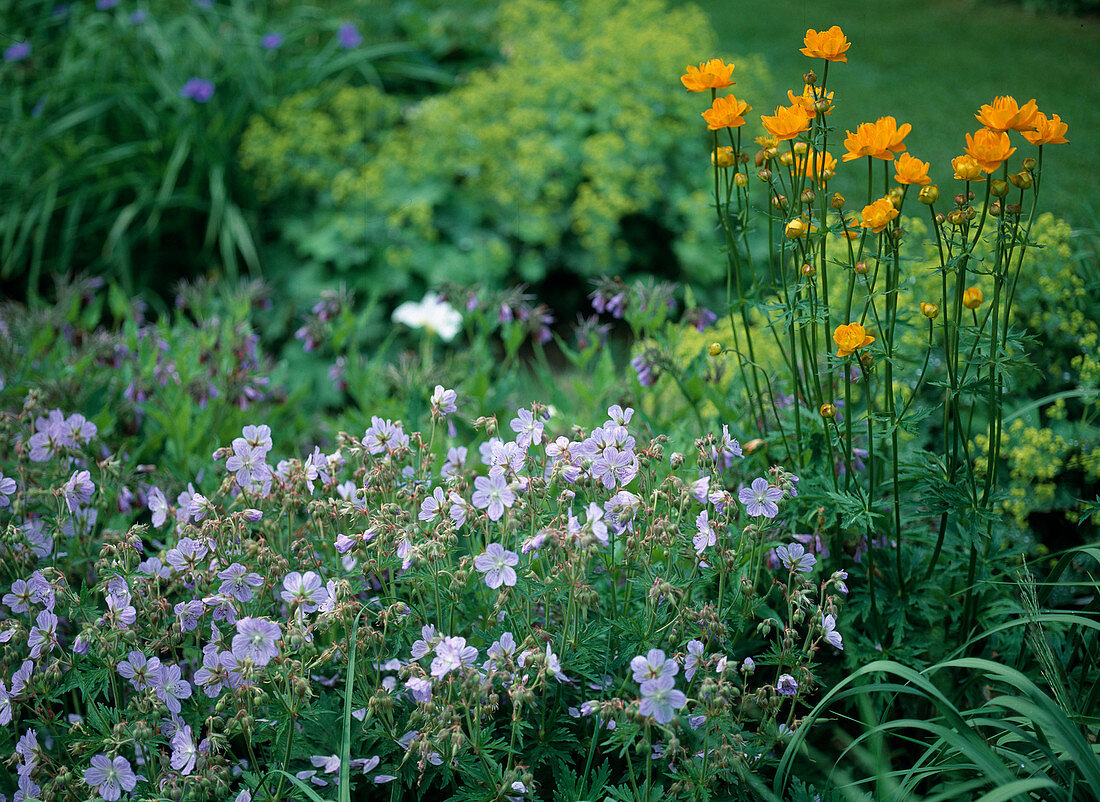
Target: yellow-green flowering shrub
x: 566, y: 157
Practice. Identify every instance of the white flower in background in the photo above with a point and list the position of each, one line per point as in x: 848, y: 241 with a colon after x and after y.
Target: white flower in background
x: 431, y: 313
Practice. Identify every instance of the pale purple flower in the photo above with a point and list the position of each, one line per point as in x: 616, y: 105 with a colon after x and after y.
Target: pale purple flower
x: 786, y: 685
x: 748, y: 665
x: 660, y: 699
x: 21, y: 677
x: 694, y: 658
x: 184, y: 752
x: 103, y: 5
x: 271, y: 41
x: 158, y: 505
x: 527, y: 427
x: 110, y: 777
x: 452, y: 654
x: 384, y: 435
x: 20, y: 597
x: 171, y: 687
x: 17, y: 52
x: 256, y: 639
x: 189, y: 613
x: 119, y: 610
x: 142, y: 673
x: 838, y: 579
x: 831, y: 635
x: 614, y: 467
x: 186, y: 555
x: 41, y: 590
x: 349, y: 36
x: 421, y: 690
x: 7, y: 488
x: 138, y: 17
x: 199, y: 90
x: 760, y: 498
x: 456, y: 461
x: 213, y: 677
x: 238, y: 581
x: 258, y: 437
x: 443, y: 401
x: 794, y: 558
x: 5, y: 704
x: 432, y: 505
x: 78, y: 491
x: 727, y: 448
x: 248, y: 463
x: 43, y: 635
x: 493, y: 493
x: 497, y: 564
x: 153, y: 567
x: 704, y: 535
x: 652, y: 666
x: 329, y: 764
x: 306, y: 590
x: 457, y: 510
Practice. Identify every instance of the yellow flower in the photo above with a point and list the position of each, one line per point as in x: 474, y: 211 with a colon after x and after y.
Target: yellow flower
x: 850, y: 338
x: 786, y: 123
x: 880, y: 139
x: 726, y: 112
x: 967, y: 168
x: 878, y: 215
x: 713, y: 74
x: 811, y: 100
x: 723, y: 157
x: 830, y: 45
x: 1047, y: 132
x: 972, y: 297
x: 1005, y: 114
x: 989, y: 148
x: 911, y: 170
x: 820, y: 167
x: 930, y: 311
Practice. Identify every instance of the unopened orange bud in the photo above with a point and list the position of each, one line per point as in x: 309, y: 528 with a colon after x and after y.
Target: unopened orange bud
x: 800, y: 148
x: 1021, y: 180
x: 741, y: 179
x: 930, y: 311
x: 860, y: 268
x: 808, y: 270
x: 779, y: 201
x: 723, y: 157
x: 895, y: 195
x: 795, y: 229
x: 998, y: 188
x: 827, y: 411
x: 765, y: 174
x: 809, y: 77
x: 972, y: 297
x: 929, y: 194
x: 807, y: 196
x: 787, y: 159
x: 1030, y: 164
x: 837, y: 201
x: 714, y: 349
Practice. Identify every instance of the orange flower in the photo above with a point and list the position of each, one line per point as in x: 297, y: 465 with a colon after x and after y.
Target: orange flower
x: 850, y: 338
x: 878, y: 215
x: 786, y: 123
x: 911, y: 170
x: 988, y: 148
x: 880, y: 140
x: 972, y: 297
x: 821, y: 166
x: 1047, y: 132
x: 810, y: 99
x: 1005, y: 114
x: 830, y: 45
x: 726, y: 112
x: 713, y: 74
x: 967, y: 168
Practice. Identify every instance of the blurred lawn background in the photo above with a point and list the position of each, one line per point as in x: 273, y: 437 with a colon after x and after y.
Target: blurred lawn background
x: 933, y: 63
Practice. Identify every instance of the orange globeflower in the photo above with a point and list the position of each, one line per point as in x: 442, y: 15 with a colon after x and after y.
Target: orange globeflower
x: 878, y: 215
x: 988, y: 148
x: 880, y: 140
x: 809, y: 101
x: 1047, y: 132
x: 850, y: 338
x: 786, y: 123
x: 821, y: 166
x: 726, y: 112
x: 967, y: 168
x: 713, y: 74
x: 1005, y: 114
x: 911, y: 170
x: 830, y: 45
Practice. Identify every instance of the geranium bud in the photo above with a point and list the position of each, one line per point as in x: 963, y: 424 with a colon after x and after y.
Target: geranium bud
x: 807, y: 196
x: 827, y: 411
x: 808, y: 270
x: 930, y: 311
x: 929, y: 194
x: 741, y: 179
x: 860, y: 268
x: 837, y: 201
x: 715, y: 349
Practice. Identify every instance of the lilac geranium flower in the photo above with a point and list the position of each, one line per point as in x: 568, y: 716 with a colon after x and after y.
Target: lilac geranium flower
x: 78, y: 491
x: 795, y: 558
x: 383, y: 436
x: 660, y: 699
x: 20, y: 597
x: 760, y: 499
x: 184, y: 752
x: 142, y: 672
x: 652, y: 666
x: 614, y: 467
x: 493, y: 493
x: 256, y: 639
x: 158, y: 506
x: 271, y: 41
x: 497, y: 564
x: 694, y: 658
x: 171, y: 687
x: 786, y: 685
x: 103, y: 5
x: 238, y: 581
x: 43, y: 635
x: 186, y: 555
x: 110, y: 777
x: 452, y: 654
x: 349, y: 36
x: 704, y: 535
x: 420, y: 688
x: 189, y: 613
x: 443, y: 401
x: 119, y: 610
x: 199, y: 90
x: 248, y: 463
x: 831, y: 635
x: 432, y: 505
x: 7, y: 488
x: 213, y: 677
x: 18, y: 52
x: 306, y: 590
x: 527, y: 427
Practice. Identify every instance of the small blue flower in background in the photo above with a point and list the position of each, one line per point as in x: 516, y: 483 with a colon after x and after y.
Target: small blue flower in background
x: 349, y: 36
x: 198, y: 89
x: 18, y: 51
x: 204, y: 3
x: 103, y: 5
x: 138, y: 17
x: 271, y: 41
